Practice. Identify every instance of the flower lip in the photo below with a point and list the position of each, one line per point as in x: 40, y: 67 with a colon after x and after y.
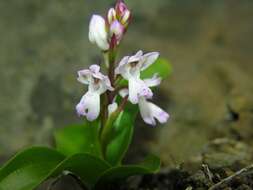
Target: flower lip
x: 151, y: 112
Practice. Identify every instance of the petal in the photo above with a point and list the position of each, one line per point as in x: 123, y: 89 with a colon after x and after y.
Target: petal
x: 122, y: 67
x: 136, y: 57
x: 84, y: 76
x: 89, y: 106
x: 149, y: 59
x: 94, y: 68
x: 154, y: 81
x: 97, y: 32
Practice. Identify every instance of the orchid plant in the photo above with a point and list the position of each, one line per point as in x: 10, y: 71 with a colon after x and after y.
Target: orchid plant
x: 92, y: 153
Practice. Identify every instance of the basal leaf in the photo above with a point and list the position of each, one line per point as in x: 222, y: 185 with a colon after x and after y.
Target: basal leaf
x: 28, y: 169
x: 31, y: 167
x: 150, y: 165
x: 85, y: 166
x: 78, y: 139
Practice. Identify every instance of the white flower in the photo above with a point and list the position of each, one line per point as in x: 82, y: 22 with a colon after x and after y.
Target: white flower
x: 98, y: 33
x: 98, y: 83
x: 130, y: 68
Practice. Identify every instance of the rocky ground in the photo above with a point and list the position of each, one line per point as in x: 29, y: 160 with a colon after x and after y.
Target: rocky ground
x: 209, y: 94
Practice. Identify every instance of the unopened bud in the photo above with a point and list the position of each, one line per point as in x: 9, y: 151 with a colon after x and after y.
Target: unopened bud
x: 111, y: 16
x: 126, y: 17
x: 121, y: 8
x: 117, y: 29
x: 98, y: 33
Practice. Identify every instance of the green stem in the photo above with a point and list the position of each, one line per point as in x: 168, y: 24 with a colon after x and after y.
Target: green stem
x: 104, y: 112
x: 112, y: 57
x: 108, y: 128
x: 106, y: 58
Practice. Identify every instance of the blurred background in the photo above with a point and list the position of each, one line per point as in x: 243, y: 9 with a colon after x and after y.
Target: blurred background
x: 209, y: 94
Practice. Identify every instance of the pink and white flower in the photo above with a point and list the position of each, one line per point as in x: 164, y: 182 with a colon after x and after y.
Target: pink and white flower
x: 98, y: 83
x: 130, y: 68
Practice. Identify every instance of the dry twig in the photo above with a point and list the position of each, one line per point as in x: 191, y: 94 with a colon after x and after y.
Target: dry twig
x: 227, y: 180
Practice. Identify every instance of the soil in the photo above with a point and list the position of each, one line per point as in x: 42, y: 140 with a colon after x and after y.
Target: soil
x: 225, y: 164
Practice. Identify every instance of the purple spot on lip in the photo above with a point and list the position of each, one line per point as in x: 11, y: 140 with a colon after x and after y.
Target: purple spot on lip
x: 146, y: 92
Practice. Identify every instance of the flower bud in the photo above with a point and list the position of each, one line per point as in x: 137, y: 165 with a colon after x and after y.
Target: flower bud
x: 126, y: 17
x: 117, y: 29
x: 122, y: 12
x: 97, y: 32
x: 121, y: 8
x: 111, y: 16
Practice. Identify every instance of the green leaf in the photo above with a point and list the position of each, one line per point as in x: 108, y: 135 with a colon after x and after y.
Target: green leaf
x: 78, y: 139
x: 122, y: 135
x: 161, y: 66
x: 33, y: 166
x: 150, y: 165
x: 28, y: 169
x: 85, y: 166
